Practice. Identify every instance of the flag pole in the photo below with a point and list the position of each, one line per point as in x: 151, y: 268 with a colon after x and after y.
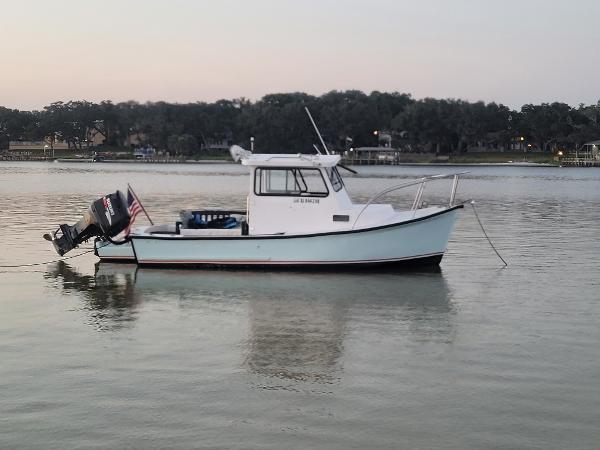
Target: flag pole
x: 138, y: 200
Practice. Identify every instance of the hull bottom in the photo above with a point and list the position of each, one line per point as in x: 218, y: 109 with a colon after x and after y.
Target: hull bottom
x: 431, y: 262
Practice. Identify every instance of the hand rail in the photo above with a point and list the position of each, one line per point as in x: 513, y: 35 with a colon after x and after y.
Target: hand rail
x: 420, y: 181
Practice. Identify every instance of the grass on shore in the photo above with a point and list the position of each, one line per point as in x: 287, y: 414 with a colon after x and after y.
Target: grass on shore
x: 423, y: 158
x: 501, y: 157
x: 126, y: 154
x: 473, y: 158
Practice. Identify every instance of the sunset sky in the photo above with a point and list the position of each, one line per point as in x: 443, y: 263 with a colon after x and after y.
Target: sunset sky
x: 513, y: 52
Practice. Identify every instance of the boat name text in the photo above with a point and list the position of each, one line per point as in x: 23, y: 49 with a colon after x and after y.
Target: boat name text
x: 307, y: 200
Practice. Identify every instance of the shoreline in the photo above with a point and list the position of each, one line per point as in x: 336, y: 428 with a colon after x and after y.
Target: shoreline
x: 141, y: 161
x: 224, y: 161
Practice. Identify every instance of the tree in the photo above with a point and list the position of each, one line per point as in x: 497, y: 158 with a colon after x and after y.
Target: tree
x: 185, y: 144
x: 279, y: 123
x: 547, y: 123
x: 14, y: 125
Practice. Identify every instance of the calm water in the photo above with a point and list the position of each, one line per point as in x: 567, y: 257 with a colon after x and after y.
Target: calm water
x: 476, y: 356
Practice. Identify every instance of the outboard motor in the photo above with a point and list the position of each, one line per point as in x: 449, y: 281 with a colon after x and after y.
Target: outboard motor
x: 106, y: 217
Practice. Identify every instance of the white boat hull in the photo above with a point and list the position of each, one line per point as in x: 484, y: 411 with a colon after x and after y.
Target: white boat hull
x: 419, y: 241
x: 116, y: 253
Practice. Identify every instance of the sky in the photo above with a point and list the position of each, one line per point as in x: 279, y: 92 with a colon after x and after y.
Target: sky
x: 511, y: 51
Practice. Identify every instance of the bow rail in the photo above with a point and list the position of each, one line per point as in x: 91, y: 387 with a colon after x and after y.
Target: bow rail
x: 417, y: 201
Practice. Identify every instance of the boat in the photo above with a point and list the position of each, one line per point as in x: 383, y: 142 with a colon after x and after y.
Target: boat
x: 299, y: 214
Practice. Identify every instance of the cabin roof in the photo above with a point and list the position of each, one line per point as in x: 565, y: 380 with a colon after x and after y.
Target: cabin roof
x: 295, y: 160
x: 592, y: 143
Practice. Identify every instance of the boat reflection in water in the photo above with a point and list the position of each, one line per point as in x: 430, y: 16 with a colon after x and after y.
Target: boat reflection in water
x: 299, y: 324
x: 109, y: 294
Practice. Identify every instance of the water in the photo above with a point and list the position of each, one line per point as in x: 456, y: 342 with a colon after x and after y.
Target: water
x: 475, y: 356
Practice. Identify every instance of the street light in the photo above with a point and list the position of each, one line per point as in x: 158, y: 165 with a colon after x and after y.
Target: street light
x: 521, y: 140
x: 525, y: 151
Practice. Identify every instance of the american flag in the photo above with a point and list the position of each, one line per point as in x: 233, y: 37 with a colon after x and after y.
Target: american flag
x: 134, y: 208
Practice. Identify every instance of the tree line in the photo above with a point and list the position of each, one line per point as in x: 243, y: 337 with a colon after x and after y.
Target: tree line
x: 278, y: 123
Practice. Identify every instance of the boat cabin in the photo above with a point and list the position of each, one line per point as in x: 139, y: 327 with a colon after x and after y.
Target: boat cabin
x: 300, y: 194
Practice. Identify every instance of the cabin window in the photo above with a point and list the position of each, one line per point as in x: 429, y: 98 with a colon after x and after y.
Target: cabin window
x: 290, y: 182
x: 335, y: 178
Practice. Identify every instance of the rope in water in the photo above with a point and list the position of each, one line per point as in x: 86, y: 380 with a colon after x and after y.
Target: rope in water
x: 485, y: 234
x: 16, y: 266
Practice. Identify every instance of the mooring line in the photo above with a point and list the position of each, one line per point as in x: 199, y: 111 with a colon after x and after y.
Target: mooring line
x: 485, y: 234
x: 16, y: 266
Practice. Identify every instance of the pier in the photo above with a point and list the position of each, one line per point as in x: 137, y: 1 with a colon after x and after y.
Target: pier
x: 24, y: 157
x: 388, y: 156
x: 586, y: 156
x: 579, y: 162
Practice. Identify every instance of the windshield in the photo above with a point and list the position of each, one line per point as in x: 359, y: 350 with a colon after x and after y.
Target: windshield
x: 290, y: 182
x: 335, y: 178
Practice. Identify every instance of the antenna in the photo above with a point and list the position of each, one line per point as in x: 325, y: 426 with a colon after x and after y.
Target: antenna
x: 317, y: 149
x: 317, y: 130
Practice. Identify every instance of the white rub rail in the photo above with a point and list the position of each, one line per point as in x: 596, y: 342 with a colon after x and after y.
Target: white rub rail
x: 417, y: 201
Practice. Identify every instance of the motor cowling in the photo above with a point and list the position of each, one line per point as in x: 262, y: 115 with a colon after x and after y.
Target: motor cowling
x: 107, y: 217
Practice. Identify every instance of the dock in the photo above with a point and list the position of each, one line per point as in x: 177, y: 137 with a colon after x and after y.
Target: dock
x: 388, y: 156
x: 18, y: 157
x: 588, y: 155
x: 575, y: 161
